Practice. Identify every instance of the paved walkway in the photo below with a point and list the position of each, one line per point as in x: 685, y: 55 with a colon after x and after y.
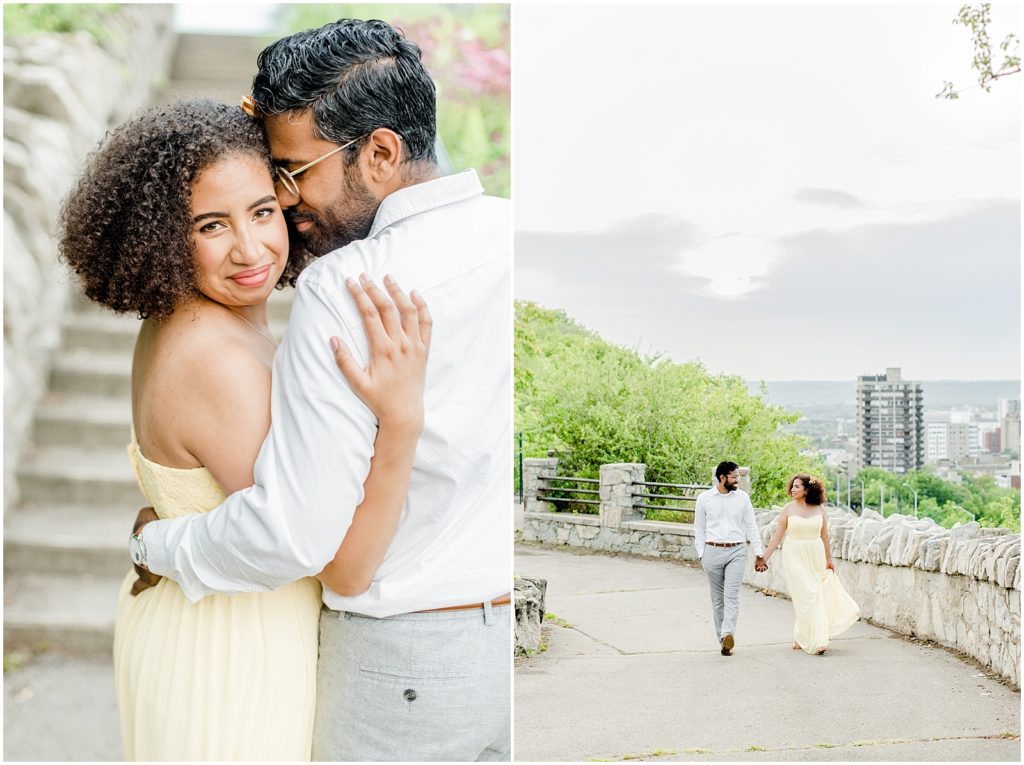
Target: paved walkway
x: 633, y: 670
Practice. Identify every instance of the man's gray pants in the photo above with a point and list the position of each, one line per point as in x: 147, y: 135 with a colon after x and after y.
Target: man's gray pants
x: 724, y: 567
x: 419, y: 687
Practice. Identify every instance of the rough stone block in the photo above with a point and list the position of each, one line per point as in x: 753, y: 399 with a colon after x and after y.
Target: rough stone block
x: 529, y: 597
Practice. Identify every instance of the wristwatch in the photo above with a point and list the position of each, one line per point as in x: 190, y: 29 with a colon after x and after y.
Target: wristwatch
x: 137, y: 549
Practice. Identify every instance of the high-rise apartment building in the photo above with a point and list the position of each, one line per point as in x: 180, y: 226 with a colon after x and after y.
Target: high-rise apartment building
x: 890, y: 422
x: 1007, y: 406
x: 1010, y: 432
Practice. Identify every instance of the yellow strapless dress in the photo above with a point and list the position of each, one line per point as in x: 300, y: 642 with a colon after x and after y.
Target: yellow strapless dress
x: 232, y: 677
x: 823, y: 607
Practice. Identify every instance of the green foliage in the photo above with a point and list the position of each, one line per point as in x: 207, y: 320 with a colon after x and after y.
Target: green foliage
x: 978, y: 19
x: 596, y: 403
x: 947, y: 503
x: 27, y: 19
x: 466, y: 50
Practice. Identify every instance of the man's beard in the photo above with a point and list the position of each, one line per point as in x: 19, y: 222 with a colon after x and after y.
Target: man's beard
x: 342, y: 223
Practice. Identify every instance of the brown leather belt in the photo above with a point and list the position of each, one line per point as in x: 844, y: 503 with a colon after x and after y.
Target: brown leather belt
x: 723, y: 544
x: 501, y: 600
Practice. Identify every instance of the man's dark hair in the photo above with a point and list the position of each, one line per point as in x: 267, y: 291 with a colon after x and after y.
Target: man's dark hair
x: 355, y: 76
x: 724, y: 468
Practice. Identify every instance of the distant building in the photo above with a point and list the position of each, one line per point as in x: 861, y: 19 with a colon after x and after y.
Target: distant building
x: 1007, y: 406
x: 890, y: 422
x: 1010, y: 432
x: 989, y: 437
x: 950, y: 436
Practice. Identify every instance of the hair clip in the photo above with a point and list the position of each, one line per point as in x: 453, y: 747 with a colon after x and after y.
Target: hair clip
x: 249, y: 105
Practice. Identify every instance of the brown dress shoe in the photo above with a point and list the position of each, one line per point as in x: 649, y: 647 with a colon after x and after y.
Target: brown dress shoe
x: 727, y: 644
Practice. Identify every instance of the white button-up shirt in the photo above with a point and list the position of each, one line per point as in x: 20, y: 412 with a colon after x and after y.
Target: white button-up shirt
x: 453, y: 545
x: 725, y: 518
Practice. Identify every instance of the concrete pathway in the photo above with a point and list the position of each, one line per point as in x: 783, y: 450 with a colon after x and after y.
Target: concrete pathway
x: 632, y: 670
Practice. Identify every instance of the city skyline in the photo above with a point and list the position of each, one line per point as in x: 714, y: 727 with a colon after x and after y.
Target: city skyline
x: 786, y: 206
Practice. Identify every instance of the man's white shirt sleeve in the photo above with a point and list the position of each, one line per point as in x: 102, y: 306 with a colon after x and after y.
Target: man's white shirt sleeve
x: 750, y: 522
x: 309, y: 474
x: 700, y: 531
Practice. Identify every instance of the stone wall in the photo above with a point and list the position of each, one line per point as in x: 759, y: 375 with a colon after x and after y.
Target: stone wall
x: 959, y: 587
x: 617, y: 527
x: 61, y: 93
x: 654, y: 539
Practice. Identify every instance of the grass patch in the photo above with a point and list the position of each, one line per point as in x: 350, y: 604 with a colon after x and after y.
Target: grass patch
x: 554, y: 619
x: 655, y: 753
x: 754, y: 748
x: 15, y: 660
x: 826, y: 746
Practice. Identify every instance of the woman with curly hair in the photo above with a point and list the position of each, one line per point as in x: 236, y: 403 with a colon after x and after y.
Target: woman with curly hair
x: 176, y: 219
x: 822, y: 607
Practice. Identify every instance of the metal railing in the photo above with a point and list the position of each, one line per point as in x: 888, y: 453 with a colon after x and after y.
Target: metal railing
x: 654, y: 498
x: 518, y: 467
x: 584, y: 498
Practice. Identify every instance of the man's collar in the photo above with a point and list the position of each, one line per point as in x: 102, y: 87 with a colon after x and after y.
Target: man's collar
x: 426, y: 196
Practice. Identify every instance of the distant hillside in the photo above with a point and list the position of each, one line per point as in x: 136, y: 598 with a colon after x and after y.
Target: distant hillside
x: 841, y: 395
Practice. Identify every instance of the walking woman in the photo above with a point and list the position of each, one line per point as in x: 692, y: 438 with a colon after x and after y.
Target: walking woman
x: 823, y: 609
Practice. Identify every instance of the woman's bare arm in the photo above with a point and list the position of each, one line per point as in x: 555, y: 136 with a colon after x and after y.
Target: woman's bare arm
x: 780, y: 532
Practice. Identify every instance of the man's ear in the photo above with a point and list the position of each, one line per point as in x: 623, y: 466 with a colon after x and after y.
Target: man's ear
x: 385, y: 155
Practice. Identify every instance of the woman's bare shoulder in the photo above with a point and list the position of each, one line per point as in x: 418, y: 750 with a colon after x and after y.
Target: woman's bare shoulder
x: 197, y: 359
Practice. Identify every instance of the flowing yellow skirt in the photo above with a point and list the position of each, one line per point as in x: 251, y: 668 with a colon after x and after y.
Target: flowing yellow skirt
x: 822, y: 607
x: 232, y: 677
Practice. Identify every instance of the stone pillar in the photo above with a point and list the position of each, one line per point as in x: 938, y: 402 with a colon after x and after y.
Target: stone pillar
x: 536, y: 474
x: 617, y: 493
x: 744, y: 482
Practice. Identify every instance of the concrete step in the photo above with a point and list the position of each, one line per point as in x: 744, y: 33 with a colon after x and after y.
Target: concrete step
x: 83, y: 421
x: 100, y: 331
x: 110, y: 333
x: 64, y: 475
x: 52, y: 612
x: 219, y: 57
x: 68, y: 539
x: 84, y: 372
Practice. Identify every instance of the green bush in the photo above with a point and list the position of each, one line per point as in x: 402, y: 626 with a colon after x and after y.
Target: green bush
x: 947, y: 503
x: 27, y: 19
x: 596, y: 403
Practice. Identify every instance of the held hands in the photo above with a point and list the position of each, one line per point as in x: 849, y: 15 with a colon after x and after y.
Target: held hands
x: 398, y: 330
x: 146, y: 578
x: 760, y: 564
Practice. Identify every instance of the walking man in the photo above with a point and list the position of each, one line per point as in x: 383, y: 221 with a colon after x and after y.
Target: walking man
x: 723, y: 524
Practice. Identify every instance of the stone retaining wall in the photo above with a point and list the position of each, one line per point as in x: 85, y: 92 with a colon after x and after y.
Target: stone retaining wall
x: 651, y: 538
x: 61, y: 93
x: 959, y: 587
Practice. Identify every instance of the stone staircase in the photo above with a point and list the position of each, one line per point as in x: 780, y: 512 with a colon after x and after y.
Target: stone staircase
x: 65, y: 545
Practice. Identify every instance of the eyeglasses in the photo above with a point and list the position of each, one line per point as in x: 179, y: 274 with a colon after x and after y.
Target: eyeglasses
x: 287, y: 179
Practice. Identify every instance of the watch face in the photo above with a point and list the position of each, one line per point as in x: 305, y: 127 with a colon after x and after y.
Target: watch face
x: 137, y: 550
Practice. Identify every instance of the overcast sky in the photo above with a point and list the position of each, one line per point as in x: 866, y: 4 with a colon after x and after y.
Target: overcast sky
x: 771, y: 189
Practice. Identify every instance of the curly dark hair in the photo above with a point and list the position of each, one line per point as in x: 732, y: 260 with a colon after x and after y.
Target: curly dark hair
x: 813, y: 486
x: 356, y: 76
x: 125, y: 227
